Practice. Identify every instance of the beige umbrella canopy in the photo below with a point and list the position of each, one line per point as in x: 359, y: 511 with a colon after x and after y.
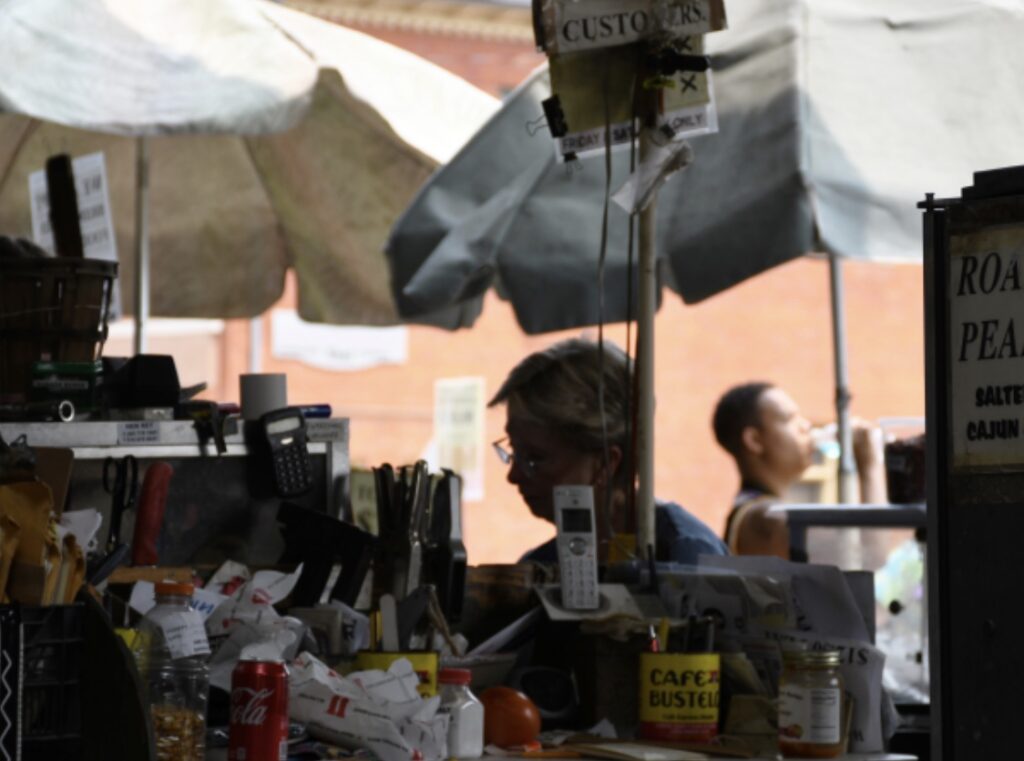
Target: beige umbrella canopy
x: 230, y: 213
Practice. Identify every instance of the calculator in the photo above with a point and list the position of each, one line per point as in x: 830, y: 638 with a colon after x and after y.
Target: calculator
x: 291, y: 465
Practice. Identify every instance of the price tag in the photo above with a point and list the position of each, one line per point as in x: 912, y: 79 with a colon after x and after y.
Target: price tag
x: 138, y: 432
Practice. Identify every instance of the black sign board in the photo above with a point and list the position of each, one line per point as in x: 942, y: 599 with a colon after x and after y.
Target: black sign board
x: 974, y: 323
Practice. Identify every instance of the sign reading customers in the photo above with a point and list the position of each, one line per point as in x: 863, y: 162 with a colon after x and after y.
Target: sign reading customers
x: 986, y: 292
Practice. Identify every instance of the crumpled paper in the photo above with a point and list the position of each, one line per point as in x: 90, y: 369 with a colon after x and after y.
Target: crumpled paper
x: 378, y: 710
x: 266, y: 641
x: 246, y: 626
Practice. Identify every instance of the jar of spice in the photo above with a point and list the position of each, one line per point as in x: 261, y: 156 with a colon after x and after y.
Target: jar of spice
x: 811, y: 704
x: 466, y: 727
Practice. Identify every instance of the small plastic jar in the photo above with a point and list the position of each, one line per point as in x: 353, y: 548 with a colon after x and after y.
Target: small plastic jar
x: 811, y: 704
x: 466, y: 727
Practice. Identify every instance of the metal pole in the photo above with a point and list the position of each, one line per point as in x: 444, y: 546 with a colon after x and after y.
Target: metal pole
x: 141, y: 244
x: 647, y: 303
x: 256, y: 344
x: 847, y: 469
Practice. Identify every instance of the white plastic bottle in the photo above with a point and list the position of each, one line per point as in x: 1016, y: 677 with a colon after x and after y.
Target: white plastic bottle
x: 171, y: 651
x: 466, y: 730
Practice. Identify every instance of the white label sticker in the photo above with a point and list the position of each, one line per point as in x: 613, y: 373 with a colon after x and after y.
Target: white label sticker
x: 333, y: 430
x: 809, y: 714
x: 138, y: 432
x: 185, y: 634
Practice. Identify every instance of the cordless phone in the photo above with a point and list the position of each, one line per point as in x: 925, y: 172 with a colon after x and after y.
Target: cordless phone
x: 285, y: 434
x: 577, y: 547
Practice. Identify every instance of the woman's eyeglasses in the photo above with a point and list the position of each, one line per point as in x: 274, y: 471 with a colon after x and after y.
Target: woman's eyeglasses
x: 508, y: 456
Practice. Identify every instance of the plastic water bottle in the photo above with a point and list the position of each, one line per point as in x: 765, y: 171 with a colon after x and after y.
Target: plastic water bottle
x: 171, y: 651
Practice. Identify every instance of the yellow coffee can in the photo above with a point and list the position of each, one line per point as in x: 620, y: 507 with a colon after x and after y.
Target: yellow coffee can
x: 679, y: 696
x: 424, y: 663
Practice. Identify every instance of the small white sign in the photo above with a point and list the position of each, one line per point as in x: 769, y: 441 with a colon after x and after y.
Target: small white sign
x: 336, y: 347
x: 138, y: 432
x: 94, y: 215
x: 986, y: 344
x: 591, y: 24
x: 459, y: 431
x: 686, y: 122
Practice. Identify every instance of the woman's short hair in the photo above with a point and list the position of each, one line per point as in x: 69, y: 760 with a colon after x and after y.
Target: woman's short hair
x: 737, y: 410
x: 561, y: 387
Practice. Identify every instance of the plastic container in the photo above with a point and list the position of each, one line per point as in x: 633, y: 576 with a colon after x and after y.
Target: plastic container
x: 51, y: 658
x: 171, y: 651
x: 466, y: 730
x: 811, y: 705
x: 904, y: 459
x: 679, y: 697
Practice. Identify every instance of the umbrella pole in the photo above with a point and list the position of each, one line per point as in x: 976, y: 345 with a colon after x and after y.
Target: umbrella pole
x: 256, y: 344
x: 647, y: 303
x: 141, y: 244
x: 847, y: 469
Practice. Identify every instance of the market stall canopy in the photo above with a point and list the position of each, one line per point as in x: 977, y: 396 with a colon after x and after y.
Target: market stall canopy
x: 130, y: 68
x: 835, y: 119
x: 230, y: 213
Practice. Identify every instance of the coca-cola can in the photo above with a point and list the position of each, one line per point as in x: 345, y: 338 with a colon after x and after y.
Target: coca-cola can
x: 259, y: 712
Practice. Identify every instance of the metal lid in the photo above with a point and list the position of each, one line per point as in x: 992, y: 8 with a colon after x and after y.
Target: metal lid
x: 812, y: 658
x: 454, y: 676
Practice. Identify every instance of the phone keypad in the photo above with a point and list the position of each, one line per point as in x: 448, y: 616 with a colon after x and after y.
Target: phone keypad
x: 579, y: 588
x: 293, y: 470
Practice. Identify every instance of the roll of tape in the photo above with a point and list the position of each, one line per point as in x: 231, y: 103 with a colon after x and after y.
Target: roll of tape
x: 263, y: 392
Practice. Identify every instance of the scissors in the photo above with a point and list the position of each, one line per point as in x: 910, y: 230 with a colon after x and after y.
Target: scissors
x: 121, y: 481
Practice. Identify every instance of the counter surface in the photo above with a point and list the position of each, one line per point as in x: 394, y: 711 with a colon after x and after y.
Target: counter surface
x: 221, y: 754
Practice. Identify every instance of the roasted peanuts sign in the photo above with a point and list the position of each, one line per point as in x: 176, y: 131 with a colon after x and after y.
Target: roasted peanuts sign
x: 986, y: 345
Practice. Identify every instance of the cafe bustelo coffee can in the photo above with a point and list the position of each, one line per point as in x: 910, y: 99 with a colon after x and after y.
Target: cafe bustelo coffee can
x: 679, y: 695
x: 259, y: 712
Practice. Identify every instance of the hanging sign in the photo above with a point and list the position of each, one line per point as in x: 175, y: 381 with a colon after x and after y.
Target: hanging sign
x: 566, y: 26
x: 585, y: 82
x: 94, y: 215
x: 986, y: 345
x: 459, y: 406
x: 336, y: 347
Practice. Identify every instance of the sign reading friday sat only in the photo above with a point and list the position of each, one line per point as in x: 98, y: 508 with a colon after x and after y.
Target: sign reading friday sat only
x: 986, y: 292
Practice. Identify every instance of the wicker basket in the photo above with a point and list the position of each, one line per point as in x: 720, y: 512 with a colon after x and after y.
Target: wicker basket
x: 50, y: 309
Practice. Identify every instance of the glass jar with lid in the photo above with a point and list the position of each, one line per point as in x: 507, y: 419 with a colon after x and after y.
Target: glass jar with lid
x: 811, y: 704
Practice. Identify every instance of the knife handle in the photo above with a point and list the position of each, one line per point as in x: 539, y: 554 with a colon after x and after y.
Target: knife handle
x: 149, y: 516
x: 64, y: 221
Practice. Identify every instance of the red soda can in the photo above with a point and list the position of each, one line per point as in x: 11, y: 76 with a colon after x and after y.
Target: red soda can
x: 259, y: 712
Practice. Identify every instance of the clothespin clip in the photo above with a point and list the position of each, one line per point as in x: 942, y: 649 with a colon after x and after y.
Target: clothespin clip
x: 555, y: 117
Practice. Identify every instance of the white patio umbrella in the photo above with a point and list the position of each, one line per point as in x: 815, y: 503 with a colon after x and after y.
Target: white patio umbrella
x: 835, y: 117
x: 230, y: 207
x: 166, y: 67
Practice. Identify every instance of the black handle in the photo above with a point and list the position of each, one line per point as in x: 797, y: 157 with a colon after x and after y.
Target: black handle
x: 60, y: 186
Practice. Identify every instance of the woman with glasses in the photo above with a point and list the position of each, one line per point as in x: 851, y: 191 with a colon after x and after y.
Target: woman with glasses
x: 567, y: 413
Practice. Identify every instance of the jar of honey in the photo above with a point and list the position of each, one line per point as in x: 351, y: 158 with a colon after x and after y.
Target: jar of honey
x: 811, y: 703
